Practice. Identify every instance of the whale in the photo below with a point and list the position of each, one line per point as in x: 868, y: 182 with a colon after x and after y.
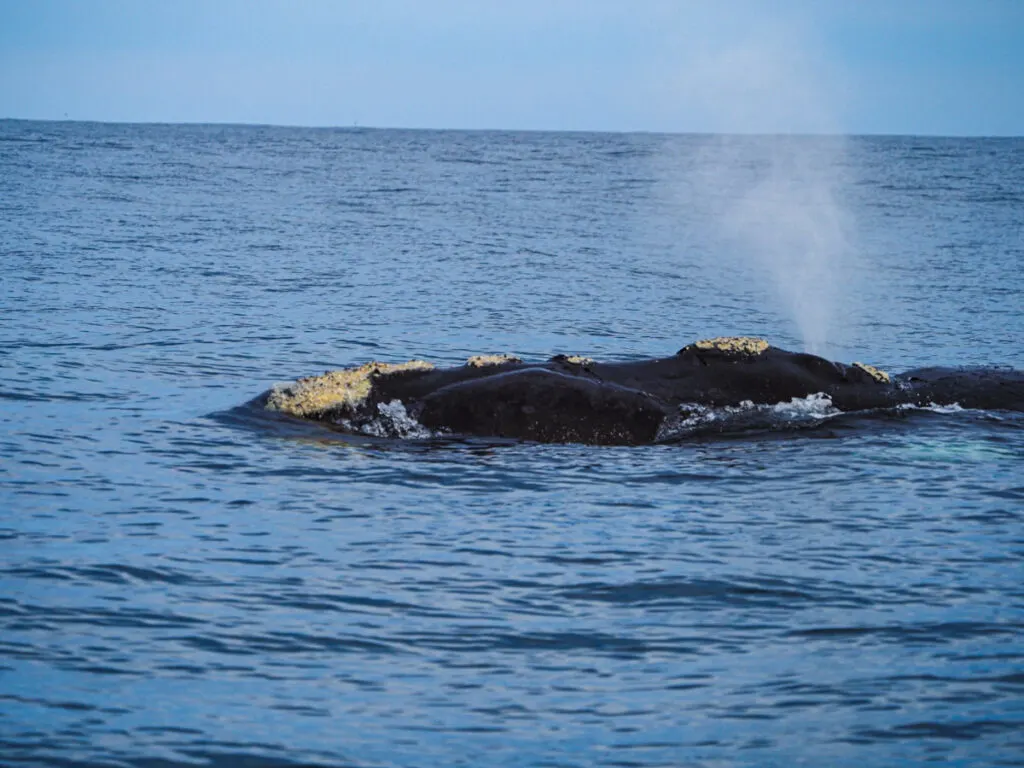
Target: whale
x: 575, y: 399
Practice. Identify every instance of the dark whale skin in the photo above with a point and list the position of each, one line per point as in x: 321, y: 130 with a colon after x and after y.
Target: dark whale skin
x: 544, y: 405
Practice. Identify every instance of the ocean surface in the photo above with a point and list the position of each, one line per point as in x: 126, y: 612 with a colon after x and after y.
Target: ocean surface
x: 184, y: 582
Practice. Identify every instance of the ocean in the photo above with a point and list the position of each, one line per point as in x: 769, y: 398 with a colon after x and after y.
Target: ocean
x: 183, y: 583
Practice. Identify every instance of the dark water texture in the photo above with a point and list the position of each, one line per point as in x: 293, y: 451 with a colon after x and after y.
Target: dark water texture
x: 182, y: 585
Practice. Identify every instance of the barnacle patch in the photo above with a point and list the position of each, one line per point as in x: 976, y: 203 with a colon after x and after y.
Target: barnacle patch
x: 579, y: 360
x: 743, y: 345
x: 573, y: 360
x: 875, y: 373
x: 481, y: 361
x: 345, y: 389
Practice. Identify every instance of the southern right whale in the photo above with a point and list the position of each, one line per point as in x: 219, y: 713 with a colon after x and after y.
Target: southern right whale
x: 576, y: 399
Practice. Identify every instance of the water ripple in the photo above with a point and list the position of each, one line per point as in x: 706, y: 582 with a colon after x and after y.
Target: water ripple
x: 188, y: 580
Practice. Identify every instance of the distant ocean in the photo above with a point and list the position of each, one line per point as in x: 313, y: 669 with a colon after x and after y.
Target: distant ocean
x: 181, y: 586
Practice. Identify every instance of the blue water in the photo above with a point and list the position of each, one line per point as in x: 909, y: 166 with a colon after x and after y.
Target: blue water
x: 181, y: 584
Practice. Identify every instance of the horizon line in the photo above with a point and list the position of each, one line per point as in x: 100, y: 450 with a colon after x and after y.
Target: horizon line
x: 358, y: 127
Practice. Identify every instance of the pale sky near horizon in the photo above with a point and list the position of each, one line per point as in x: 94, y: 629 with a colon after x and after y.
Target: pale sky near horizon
x: 936, y: 67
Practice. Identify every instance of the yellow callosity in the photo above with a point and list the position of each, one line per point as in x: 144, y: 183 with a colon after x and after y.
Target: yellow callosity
x: 875, y: 373
x: 334, y: 390
x: 480, y: 361
x: 746, y: 345
x: 578, y: 360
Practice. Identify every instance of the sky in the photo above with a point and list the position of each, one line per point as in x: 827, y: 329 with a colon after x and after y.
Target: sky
x: 927, y: 67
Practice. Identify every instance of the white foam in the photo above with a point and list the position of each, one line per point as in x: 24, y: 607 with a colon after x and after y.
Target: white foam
x: 695, y: 418
x: 933, y: 407
x: 392, y: 420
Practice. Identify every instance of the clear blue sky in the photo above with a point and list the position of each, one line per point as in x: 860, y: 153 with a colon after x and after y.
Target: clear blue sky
x: 947, y: 67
